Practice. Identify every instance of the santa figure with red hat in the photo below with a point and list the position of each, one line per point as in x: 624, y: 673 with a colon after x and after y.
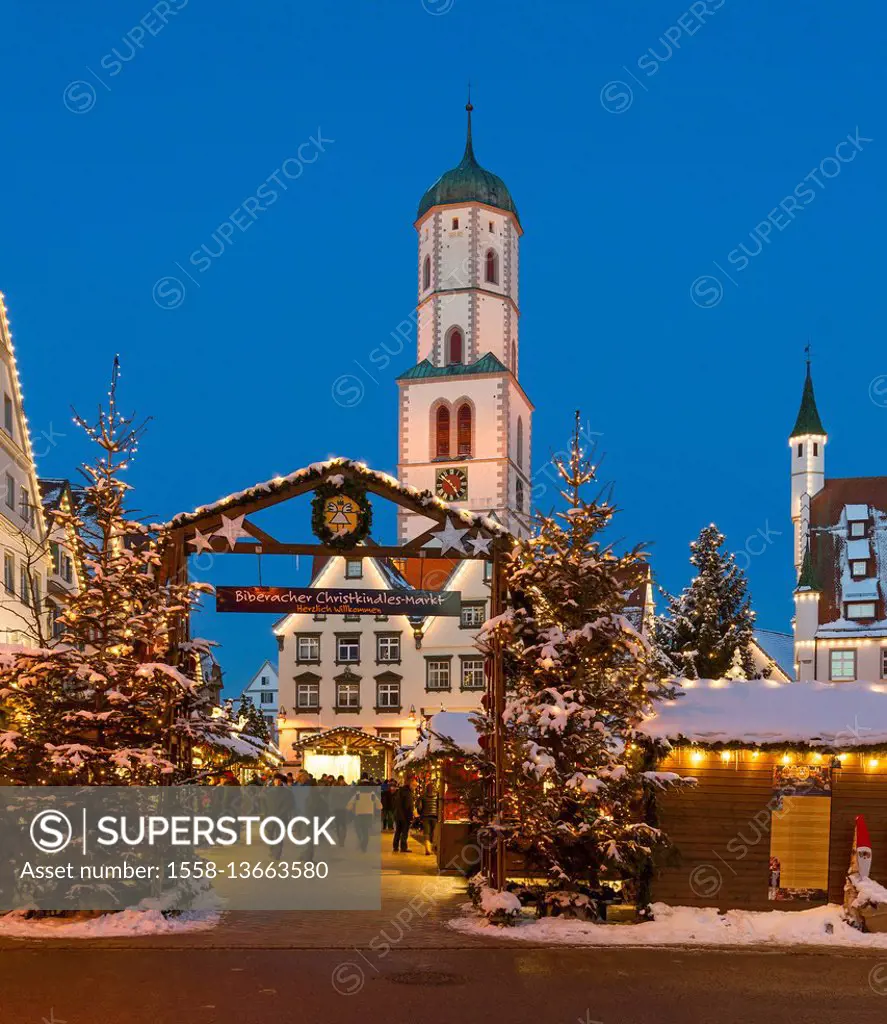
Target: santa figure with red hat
x: 861, y: 861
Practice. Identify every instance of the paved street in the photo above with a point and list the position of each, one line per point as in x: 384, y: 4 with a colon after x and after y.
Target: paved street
x: 404, y: 964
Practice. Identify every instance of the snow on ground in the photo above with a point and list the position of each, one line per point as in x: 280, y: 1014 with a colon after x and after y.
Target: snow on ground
x: 120, y: 925
x: 688, y: 926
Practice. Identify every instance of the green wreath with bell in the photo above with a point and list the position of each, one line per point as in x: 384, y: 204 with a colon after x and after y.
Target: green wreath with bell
x: 341, y: 514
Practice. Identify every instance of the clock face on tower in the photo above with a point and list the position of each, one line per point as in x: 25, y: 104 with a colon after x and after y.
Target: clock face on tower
x: 452, y: 484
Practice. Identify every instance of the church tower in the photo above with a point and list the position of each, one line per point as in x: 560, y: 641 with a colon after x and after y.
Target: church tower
x: 807, y: 442
x: 465, y: 423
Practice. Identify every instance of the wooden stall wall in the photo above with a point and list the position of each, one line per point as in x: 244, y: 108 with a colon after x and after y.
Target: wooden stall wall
x: 720, y: 833
x: 859, y: 787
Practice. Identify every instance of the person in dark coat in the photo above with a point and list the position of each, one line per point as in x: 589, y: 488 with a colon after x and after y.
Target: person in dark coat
x: 389, y: 788
x: 427, y: 810
x: 404, y: 808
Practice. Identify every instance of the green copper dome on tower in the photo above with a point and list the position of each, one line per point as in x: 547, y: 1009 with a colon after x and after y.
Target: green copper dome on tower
x: 468, y: 182
x: 808, y: 421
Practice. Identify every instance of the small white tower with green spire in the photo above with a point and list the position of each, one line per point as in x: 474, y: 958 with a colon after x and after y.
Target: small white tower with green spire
x: 807, y: 442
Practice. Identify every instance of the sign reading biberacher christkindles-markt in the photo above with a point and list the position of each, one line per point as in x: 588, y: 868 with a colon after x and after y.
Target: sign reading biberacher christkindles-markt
x: 318, y: 601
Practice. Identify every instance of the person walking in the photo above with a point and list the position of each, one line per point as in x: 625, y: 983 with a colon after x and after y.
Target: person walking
x: 404, y: 808
x: 428, y: 811
x: 362, y: 806
x: 389, y: 788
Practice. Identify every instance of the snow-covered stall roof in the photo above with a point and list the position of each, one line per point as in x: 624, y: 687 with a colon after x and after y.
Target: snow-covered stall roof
x: 841, y: 716
x: 244, y: 746
x: 447, y: 732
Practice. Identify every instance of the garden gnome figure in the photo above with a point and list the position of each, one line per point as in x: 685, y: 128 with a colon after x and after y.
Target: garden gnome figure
x: 861, y: 863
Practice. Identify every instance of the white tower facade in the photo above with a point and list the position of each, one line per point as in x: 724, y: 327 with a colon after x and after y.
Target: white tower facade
x: 807, y: 445
x: 465, y: 422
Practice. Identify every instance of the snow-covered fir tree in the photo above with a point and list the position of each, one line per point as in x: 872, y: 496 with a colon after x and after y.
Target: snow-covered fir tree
x: 580, y: 678
x: 254, y: 724
x: 110, y: 703
x: 709, y: 628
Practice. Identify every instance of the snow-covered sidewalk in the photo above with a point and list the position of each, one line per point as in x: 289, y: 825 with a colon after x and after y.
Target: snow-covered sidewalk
x: 688, y: 926
x: 126, y: 923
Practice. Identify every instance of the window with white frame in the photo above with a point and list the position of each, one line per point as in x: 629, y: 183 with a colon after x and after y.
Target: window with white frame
x: 307, y: 696
x: 472, y: 674
x: 10, y: 491
x: 860, y: 609
x: 348, y: 695
x: 389, y: 734
x: 884, y: 662
x: 24, y: 585
x: 7, y: 414
x: 9, y: 572
x: 307, y: 648
x: 347, y: 649
x: 437, y: 674
x: 857, y: 529
x: 388, y: 694
x: 387, y: 647
x: 842, y: 665
x: 263, y: 680
x: 472, y: 615
x: 266, y: 697
x: 353, y: 569
x: 859, y: 568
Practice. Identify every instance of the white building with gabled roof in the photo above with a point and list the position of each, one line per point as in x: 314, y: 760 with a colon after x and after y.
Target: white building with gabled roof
x: 264, y: 691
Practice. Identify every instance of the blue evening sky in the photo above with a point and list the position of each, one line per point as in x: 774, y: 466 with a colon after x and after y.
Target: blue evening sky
x: 644, y: 143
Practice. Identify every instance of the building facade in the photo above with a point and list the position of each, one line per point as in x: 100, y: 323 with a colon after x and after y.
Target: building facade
x: 465, y: 421
x: 37, y: 556
x: 840, y: 552
x: 264, y: 692
x: 465, y: 433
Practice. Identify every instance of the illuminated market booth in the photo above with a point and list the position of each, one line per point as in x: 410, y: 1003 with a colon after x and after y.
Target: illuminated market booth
x: 783, y: 771
x: 345, y: 750
x: 442, y: 757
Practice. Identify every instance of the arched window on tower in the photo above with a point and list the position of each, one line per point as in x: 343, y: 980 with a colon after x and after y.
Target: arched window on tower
x: 463, y: 430
x: 426, y: 273
x: 514, y: 358
x: 520, y: 442
x: 492, y: 267
x: 519, y: 495
x: 454, y: 353
x: 442, y: 433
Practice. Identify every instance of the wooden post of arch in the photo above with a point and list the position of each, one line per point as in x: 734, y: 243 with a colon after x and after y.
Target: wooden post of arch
x: 496, y: 702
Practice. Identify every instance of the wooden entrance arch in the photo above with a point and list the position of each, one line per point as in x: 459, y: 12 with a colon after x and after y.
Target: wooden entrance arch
x: 223, y: 527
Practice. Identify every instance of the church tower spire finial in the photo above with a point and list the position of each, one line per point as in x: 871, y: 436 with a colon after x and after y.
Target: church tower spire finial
x: 469, y: 157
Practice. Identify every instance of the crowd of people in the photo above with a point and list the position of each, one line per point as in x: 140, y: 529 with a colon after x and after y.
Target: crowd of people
x: 405, y: 806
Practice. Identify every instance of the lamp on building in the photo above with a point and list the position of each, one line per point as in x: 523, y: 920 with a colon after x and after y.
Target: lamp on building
x: 412, y: 714
x: 281, y: 717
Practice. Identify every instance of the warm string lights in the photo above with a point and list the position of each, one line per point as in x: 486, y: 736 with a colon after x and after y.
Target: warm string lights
x: 869, y: 760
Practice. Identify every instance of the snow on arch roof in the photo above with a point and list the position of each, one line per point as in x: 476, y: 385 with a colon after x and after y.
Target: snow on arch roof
x: 320, y: 471
x: 758, y: 712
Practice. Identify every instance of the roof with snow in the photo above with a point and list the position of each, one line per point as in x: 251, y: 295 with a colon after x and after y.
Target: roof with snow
x: 447, y: 732
x: 844, y: 566
x: 779, y: 647
x: 839, y: 716
x: 279, y: 488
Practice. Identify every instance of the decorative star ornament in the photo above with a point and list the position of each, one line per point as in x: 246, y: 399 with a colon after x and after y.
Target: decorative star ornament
x: 231, y: 530
x: 450, y: 538
x: 201, y: 542
x: 480, y: 544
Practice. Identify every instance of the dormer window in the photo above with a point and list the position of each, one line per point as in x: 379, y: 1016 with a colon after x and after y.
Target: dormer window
x: 857, y: 529
x: 859, y: 569
x: 860, y: 609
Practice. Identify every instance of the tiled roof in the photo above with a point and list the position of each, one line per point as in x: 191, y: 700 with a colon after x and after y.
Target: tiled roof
x: 486, y: 364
